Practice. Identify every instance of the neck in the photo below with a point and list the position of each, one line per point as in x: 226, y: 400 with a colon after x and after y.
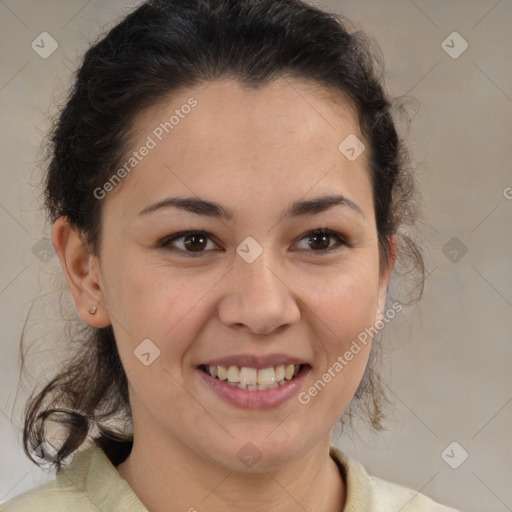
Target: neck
x: 168, y: 476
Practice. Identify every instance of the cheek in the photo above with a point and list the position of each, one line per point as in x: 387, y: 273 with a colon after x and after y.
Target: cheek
x: 169, y: 306
x: 159, y: 312
x: 344, y: 321
x: 344, y: 299
x: 343, y: 313
x: 151, y: 297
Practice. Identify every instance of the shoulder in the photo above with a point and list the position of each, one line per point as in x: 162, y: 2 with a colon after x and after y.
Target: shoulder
x: 51, y: 496
x: 372, y: 494
x: 56, y: 495
x: 90, y: 483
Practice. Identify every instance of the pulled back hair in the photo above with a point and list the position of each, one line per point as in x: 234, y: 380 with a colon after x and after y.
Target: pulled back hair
x: 168, y: 45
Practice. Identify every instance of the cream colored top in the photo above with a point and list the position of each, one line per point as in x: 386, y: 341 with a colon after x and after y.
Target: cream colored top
x: 91, y: 483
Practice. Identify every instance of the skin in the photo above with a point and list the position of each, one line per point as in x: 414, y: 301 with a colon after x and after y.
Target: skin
x: 256, y: 152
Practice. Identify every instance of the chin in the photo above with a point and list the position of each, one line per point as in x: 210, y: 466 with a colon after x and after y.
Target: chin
x: 258, y: 453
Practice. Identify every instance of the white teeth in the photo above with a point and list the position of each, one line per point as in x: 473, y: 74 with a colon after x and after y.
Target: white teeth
x: 248, y: 376
x: 266, y: 376
x: 233, y: 374
x: 251, y: 378
x: 222, y: 372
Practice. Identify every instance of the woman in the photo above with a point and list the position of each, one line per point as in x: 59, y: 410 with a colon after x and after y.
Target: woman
x: 228, y: 193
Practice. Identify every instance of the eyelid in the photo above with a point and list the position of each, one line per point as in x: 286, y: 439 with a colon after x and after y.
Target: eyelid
x: 342, y: 241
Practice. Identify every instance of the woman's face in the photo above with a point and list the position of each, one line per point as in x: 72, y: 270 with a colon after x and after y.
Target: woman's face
x: 256, y: 289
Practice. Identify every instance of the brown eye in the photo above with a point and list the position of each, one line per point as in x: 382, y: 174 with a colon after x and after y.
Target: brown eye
x: 319, y: 240
x: 193, y: 241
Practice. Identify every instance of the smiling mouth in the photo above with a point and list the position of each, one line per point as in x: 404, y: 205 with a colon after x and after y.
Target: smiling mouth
x: 251, y: 379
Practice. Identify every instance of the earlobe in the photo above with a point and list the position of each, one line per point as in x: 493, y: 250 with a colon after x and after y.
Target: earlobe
x: 80, y: 268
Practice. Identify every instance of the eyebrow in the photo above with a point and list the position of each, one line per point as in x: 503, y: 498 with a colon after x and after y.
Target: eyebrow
x: 211, y: 209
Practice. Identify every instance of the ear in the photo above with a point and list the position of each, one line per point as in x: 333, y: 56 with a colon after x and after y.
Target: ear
x: 81, y: 270
x: 385, y: 275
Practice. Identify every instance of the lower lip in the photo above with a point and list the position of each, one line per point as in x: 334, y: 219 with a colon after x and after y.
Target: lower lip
x: 255, y: 399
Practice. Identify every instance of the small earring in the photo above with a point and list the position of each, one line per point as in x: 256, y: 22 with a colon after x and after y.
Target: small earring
x: 379, y: 313
x: 93, y: 310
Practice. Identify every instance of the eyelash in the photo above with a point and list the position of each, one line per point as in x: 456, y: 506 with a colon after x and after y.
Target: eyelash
x: 166, y: 242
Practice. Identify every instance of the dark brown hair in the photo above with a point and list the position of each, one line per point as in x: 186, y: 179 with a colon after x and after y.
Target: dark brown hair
x: 161, y: 47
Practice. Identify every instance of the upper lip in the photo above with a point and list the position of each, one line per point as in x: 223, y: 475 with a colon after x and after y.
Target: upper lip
x: 253, y: 361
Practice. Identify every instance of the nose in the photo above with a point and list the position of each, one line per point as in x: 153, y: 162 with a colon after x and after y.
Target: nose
x: 259, y: 298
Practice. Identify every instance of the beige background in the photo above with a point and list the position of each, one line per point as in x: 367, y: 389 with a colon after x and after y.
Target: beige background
x: 449, y: 358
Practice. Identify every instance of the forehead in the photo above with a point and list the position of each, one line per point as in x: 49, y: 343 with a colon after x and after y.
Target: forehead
x: 227, y: 109
x: 281, y: 137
